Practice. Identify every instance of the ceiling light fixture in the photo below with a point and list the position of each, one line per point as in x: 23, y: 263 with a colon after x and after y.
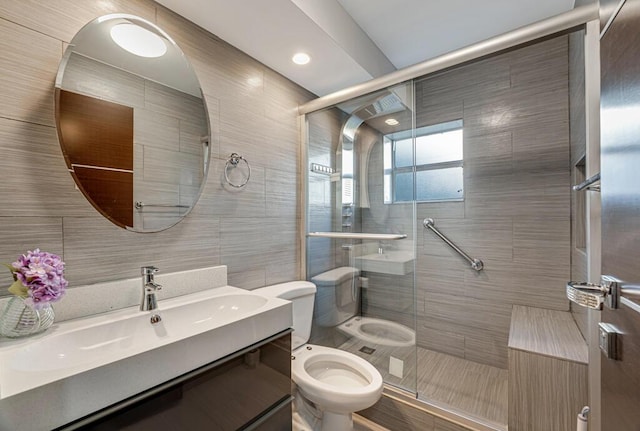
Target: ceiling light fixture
x: 301, y: 58
x: 138, y: 40
x: 392, y: 122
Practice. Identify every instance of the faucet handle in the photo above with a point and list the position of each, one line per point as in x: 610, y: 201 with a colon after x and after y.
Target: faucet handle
x: 148, y: 270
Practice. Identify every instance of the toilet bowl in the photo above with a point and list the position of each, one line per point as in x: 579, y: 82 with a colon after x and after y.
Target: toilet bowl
x: 334, y: 379
x: 338, y: 383
x: 379, y: 331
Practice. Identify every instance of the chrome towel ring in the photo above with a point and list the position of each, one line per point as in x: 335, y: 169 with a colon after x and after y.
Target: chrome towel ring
x: 233, y: 160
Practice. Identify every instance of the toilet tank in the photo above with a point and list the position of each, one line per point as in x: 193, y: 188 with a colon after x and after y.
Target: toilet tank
x: 301, y: 294
x: 337, y: 297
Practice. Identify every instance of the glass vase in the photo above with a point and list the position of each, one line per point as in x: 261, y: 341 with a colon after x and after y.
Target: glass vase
x: 18, y: 319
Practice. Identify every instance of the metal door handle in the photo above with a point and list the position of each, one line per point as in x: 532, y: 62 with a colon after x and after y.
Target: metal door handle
x: 593, y: 295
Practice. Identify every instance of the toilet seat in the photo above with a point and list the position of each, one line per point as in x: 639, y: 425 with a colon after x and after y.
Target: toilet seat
x: 335, y: 380
x: 379, y: 331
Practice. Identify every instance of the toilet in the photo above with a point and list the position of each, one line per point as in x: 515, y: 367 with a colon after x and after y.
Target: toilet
x: 337, y: 296
x: 337, y: 306
x: 337, y: 383
x: 380, y: 332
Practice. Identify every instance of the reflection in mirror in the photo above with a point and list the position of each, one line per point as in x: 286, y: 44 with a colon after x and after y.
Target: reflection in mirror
x: 132, y: 123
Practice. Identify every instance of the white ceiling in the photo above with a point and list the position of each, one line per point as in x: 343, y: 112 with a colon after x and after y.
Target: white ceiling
x: 352, y: 41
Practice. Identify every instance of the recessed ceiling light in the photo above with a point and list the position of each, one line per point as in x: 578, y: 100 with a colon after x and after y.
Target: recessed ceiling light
x: 138, y: 40
x: 301, y: 58
x: 392, y: 121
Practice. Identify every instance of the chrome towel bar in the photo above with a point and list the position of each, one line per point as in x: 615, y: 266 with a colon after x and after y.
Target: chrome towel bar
x: 475, y: 263
x: 139, y: 205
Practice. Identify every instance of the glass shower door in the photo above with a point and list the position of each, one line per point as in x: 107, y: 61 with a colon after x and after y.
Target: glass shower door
x: 361, y: 230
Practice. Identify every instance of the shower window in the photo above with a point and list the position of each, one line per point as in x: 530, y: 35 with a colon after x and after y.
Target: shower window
x: 438, y: 164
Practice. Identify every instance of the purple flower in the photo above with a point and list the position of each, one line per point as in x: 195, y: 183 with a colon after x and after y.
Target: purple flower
x: 42, y: 274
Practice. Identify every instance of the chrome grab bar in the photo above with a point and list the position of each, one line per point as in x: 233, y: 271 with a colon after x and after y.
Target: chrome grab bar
x: 354, y: 235
x: 588, y: 184
x: 475, y: 263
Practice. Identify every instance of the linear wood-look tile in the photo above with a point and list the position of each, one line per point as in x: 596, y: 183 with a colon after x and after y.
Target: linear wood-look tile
x: 165, y: 100
x: 191, y: 134
x: 467, y: 387
x: 155, y: 130
x: 30, y: 154
x: 193, y: 243
x: 437, y: 340
x: 486, y: 347
x: 488, y: 155
x: 223, y: 200
x: 436, y: 210
x: 542, y: 147
x: 157, y: 193
x: 361, y: 423
x: 396, y: 415
x: 20, y: 234
x: 453, y: 384
x: 514, y: 284
x: 282, y: 266
x: 443, y: 425
x: 544, y: 392
x: 471, y: 81
x: 61, y: 19
x: 172, y: 167
x: 545, y: 241
x: 92, y: 78
x: 281, y: 194
x: 539, y: 63
x: 29, y: 63
x: 277, y: 88
x: 547, y: 332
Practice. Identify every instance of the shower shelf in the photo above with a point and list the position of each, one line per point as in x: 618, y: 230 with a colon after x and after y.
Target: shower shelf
x: 353, y: 235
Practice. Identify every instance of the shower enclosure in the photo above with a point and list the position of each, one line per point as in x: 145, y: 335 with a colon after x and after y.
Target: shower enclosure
x: 482, y: 149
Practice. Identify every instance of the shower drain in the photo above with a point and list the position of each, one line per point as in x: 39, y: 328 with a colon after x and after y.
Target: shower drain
x: 367, y: 350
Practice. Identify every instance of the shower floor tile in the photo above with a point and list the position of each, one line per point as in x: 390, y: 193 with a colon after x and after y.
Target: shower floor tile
x: 473, y: 390
x: 466, y: 387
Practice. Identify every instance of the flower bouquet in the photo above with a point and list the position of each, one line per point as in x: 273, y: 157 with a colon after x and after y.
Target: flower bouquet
x: 38, y: 281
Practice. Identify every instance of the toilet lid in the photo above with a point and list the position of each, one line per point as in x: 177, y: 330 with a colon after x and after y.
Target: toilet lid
x: 334, y: 276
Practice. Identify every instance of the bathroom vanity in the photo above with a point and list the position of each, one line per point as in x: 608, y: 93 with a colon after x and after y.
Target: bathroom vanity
x: 249, y: 389
x: 218, y: 359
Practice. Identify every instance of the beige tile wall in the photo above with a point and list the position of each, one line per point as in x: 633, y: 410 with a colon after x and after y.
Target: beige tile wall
x: 252, y: 112
x: 516, y: 212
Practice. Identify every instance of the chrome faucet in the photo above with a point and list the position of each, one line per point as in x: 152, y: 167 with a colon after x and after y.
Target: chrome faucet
x: 149, y: 288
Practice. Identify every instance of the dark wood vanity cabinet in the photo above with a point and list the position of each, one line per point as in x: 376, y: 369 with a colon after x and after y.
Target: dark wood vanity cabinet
x: 248, y: 390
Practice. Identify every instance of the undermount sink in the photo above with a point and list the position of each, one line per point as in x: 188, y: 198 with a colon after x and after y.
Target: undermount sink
x: 235, y: 317
x: 396, y: 262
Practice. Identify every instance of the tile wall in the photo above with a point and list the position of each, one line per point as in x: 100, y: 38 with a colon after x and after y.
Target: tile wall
x: 516, y: 211
x: 252, y: 111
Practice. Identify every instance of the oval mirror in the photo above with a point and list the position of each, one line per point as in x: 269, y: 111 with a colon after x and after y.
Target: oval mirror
x: 132, y: 123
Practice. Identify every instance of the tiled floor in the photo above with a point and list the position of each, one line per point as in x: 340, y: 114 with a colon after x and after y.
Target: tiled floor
x: 458, y: 385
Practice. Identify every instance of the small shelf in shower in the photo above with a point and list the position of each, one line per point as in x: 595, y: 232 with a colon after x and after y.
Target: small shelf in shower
x: 355, y: 235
